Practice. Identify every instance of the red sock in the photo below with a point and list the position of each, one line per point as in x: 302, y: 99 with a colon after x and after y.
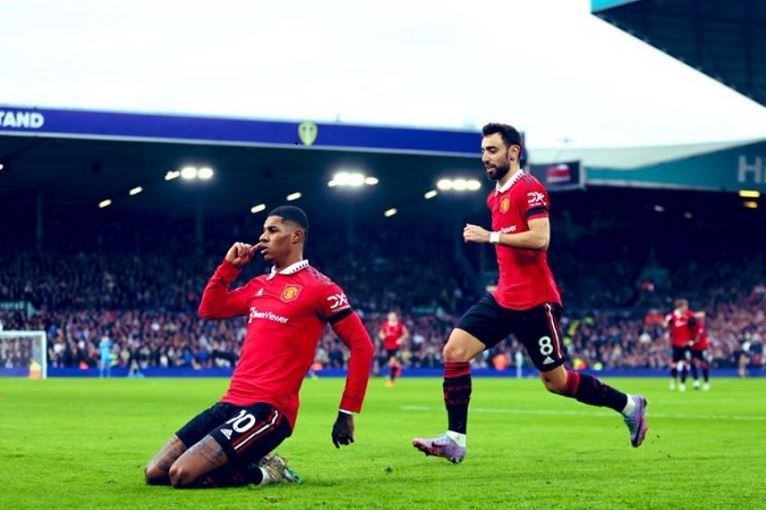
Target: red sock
x: 457, y: 394
x: 589, y: 390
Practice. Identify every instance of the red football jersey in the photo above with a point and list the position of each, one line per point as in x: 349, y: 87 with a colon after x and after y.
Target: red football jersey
x: 701, y: 341
x: 525, y: 279
x: 678, y: 325
x: 287, y: 313
x: 392, y: 335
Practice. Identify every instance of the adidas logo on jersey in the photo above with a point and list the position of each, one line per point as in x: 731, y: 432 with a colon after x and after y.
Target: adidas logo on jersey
x: 226, y: 432
x: 548, y: 360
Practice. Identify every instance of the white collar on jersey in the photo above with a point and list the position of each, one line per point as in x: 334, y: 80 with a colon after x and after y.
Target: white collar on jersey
x: 291, y: 269
x: 505, y: 187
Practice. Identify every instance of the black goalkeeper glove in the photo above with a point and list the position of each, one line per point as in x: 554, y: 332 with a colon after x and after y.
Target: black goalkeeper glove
x: 343, y: 430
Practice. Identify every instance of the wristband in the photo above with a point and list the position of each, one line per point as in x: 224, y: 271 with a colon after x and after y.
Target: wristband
x: 494, y: 237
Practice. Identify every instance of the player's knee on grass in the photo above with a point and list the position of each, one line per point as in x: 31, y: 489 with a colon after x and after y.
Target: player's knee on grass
x: 179, y: 475
x: 155, y: 475
x: 201, y: 458
x: 156, y: 471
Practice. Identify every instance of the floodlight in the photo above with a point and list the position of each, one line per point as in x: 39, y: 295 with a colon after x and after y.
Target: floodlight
x: 205, y: 173
x: 189, y: 173
x: 444, y: 184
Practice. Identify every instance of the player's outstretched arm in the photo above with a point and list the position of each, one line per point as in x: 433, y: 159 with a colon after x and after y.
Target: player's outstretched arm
x: 352, y: 332
x: 218, y: 302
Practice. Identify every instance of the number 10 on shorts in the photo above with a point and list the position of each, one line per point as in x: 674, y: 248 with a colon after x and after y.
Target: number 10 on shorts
x: 243, y: 422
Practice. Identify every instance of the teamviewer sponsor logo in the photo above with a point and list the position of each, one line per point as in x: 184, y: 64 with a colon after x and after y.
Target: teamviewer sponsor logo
x: 21, y: 119
x: 269, y: 316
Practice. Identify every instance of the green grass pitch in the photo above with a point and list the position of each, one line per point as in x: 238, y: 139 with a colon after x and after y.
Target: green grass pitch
x: 83, y: 444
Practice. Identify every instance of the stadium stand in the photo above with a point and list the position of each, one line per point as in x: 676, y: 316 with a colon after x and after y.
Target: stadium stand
x: 140, y: 287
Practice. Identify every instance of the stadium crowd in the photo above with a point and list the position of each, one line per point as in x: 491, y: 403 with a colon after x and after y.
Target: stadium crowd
x: 145, y: 302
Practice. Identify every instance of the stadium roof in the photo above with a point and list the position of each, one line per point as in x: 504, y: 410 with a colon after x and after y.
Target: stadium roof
x: 74, y: 175
x: 78, y: 158
x: 75, y: 159
x: 721, y: 39
x: 624, y: 158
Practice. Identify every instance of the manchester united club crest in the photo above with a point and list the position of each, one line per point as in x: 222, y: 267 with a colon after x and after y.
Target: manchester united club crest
x: 505, y: 204
x: 290, y: 292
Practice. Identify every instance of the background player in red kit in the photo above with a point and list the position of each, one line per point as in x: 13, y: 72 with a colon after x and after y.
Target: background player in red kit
x: 680, y: 323
x: 287, y: 310
x: 393, y: 333
x: 699, y: 350
x: 526, y: 302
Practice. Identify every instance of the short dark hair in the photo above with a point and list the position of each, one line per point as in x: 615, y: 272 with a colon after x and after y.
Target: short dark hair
x: 509, y: 134
x: 292, y: 213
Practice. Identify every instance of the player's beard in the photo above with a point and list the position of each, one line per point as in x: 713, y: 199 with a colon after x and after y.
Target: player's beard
x: 500, y: 172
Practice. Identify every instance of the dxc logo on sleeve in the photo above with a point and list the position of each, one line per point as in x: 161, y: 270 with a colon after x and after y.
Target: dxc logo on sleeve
x: 338, y: 302
x: 535, y: 198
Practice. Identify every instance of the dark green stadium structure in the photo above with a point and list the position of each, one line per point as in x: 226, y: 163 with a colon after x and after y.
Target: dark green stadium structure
x: 724, y: 40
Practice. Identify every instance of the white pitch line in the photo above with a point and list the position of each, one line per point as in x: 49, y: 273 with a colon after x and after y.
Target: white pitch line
x: 593, y: 413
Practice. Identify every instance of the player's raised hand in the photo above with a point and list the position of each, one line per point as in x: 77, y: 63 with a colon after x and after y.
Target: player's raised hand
x: 240, y: 254
x: 343, y: 430
x: 475, y: 234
